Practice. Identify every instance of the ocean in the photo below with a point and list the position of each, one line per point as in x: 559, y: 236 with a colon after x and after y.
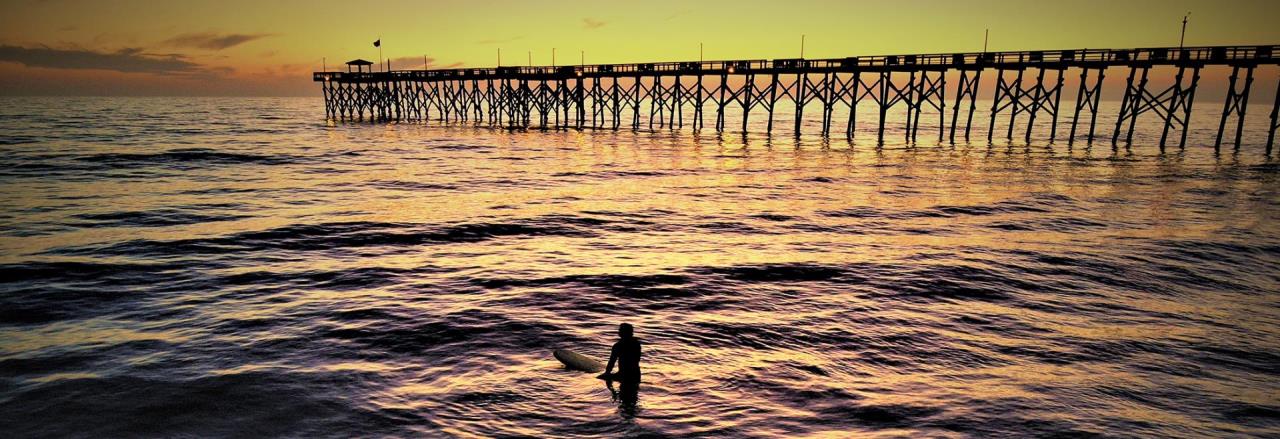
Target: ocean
x: 211, y: 267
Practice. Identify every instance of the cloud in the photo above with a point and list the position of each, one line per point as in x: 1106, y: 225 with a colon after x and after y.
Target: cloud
x: 128, y: 60
x: 212, y: 40
x: 676, y: 15
x: 500, y: 41
x: 591, y: 23
x: 415, y: 62
x: 411, y: 62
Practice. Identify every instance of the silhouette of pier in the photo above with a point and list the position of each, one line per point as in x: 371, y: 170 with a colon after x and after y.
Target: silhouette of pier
x: 1028, y: 83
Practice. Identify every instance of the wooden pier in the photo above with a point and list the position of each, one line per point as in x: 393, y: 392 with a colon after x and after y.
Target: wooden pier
x: 613, y: 96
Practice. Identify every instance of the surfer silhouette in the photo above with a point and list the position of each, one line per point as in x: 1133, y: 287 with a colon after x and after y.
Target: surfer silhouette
x: 626, y: 353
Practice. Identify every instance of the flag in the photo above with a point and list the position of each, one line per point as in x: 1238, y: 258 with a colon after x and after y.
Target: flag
x: 377, y: 43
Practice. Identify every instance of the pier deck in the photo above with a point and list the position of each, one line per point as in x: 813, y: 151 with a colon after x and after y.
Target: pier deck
x: 1028, y: 83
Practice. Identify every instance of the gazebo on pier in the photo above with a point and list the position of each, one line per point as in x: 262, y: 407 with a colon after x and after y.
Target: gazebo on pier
x: 360, y: 66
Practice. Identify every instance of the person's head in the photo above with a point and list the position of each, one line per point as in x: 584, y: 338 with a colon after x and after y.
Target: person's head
x: 625, y: 330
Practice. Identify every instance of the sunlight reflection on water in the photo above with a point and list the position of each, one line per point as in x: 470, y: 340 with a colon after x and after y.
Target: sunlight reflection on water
x: 283, y: 277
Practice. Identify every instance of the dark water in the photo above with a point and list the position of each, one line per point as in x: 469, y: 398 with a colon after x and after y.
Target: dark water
x: 206, y: 267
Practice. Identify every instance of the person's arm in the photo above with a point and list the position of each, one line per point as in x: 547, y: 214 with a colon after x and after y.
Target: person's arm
x: 613, y: 357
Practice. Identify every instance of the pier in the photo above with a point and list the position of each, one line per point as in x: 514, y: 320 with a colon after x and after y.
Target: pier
x: 676, y: 94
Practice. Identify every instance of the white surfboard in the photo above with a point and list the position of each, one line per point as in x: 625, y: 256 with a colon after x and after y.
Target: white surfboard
x: 576, y: 361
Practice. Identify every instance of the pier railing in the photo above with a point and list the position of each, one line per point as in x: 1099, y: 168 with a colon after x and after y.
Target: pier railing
x: 558, y: 96
x: 1172, y: 56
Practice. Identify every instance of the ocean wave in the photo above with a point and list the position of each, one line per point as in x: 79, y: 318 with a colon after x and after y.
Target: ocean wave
x: 339, y: 280
x: 191, y: 157
x: 1035, y: 204
x: 151, y: 218
x: 410, y: 185
x: 18, y: 140
x: 30, y: 272
x: 265, y: 403
x: 613, y: 174
x: 472, y: 328
x: 341, y: 235
x: 797, y: 272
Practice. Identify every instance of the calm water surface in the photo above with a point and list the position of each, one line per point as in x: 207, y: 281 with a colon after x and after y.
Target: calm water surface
x: 235, y: 267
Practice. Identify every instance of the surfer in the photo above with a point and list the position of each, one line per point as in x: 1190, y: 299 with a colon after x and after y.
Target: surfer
x: 626, y: 352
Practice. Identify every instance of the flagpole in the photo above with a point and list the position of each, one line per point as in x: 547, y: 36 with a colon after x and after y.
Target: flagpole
x: 384, y: 66
x: 1183, y: 38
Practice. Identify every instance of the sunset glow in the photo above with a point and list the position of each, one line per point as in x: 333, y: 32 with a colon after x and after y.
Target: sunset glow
x: 264, y: 48
x: 621, y: 219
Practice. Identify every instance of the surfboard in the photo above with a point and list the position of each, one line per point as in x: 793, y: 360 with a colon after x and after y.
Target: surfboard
x: 576, y: 361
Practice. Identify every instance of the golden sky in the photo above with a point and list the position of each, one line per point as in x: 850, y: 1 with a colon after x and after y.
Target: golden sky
x: 270, y: 47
